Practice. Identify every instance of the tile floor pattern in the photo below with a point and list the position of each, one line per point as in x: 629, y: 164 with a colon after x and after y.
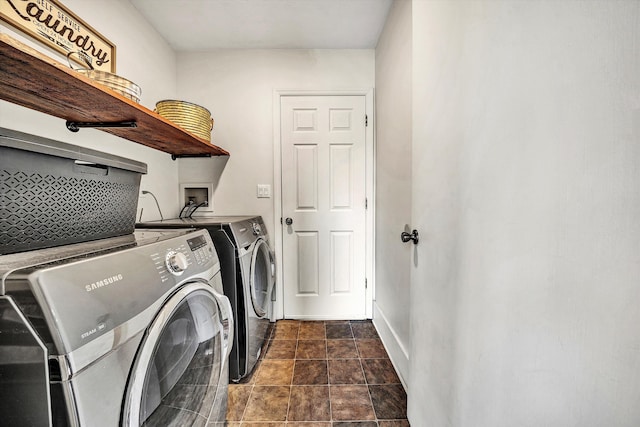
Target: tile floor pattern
x: 320, y: 374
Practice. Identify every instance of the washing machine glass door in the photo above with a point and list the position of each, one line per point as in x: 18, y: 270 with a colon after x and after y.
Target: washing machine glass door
x: 177, y: 370
x: 262, y: 276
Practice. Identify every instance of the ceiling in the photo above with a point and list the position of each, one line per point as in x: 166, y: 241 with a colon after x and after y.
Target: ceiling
x: 200, y: 25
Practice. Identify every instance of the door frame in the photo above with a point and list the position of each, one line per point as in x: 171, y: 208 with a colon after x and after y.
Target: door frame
x: 369, y: 190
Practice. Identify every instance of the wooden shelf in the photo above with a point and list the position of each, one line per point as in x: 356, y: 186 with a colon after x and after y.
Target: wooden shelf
x: 35, y: 81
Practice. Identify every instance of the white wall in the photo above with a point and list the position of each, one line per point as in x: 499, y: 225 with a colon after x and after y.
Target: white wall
x: 526, y: 168
x: 393, y: 184
x: 238, y: 86
x: 141, y: 56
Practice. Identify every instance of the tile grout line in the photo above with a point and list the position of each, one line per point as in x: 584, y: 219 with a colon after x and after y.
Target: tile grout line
x: 293, y: 370
x: 327, y: 359
x: 366, y: 382
x: 326, y: 350
x: 244, y: 411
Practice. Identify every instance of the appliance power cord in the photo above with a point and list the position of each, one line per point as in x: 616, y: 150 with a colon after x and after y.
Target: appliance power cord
x: 154, y: 198
x: 190, y: 214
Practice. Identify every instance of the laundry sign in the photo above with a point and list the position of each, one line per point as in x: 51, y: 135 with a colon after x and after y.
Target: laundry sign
x: 49, y: 22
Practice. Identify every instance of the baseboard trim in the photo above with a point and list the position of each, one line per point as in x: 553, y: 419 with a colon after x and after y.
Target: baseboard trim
x: 321, y: 318
x: 396, y: 350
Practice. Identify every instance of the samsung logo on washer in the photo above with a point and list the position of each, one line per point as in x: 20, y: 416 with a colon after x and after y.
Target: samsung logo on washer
x: 104, y: 282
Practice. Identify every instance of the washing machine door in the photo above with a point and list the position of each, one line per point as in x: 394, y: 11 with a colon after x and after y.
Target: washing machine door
x: 179, y: 365
x: 263, y: 275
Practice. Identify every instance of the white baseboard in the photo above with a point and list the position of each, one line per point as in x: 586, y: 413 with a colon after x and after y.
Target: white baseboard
x: 396, y: 350
x: 320, y: 318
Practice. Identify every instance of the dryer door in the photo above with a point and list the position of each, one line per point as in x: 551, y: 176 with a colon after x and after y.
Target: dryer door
x: 263, y: 276
x: 178, y: 367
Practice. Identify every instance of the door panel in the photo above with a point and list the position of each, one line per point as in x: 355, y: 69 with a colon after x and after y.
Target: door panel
x: 306, y: 177
x: 307, y: 252
x: 341, y: 261
x: 323, y: 193
x: 340, y: 173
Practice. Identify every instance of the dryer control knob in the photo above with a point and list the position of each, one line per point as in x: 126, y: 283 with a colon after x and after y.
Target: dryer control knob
x: 176, y: 262
x: 256, y: 228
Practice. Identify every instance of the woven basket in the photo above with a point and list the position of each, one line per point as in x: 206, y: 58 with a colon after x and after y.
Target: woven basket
x: 191, y: 117
x: 119, y: 84
x: 124, y: 87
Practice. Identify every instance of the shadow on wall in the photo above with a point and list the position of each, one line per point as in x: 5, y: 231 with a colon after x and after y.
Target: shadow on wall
x: 208, y: 169
x: 201, y: 170
x: 190, y: 170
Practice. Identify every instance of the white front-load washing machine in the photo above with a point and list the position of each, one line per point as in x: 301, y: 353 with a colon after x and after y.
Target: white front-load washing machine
x: 126, y: 331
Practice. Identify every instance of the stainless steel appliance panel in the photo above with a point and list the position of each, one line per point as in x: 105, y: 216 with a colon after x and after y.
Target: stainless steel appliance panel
x: 24, y: 389
x: 93, y: 329
x: 248, y: 273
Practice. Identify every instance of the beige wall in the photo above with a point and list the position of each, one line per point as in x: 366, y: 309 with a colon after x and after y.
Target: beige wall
x: 526, y: 151
x: 393, y: 184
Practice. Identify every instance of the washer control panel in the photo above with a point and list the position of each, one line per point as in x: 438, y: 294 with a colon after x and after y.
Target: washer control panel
x: 176, y: 259
x: 202, y: 252
x: 176, y: 262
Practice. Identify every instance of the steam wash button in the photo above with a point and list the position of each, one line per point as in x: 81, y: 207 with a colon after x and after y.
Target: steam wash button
x: 176, y: 262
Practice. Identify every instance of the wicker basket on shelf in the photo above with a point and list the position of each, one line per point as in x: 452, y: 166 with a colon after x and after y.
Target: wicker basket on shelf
x: 116, y: 83
x: 119, y: 84
x: 191, y: 117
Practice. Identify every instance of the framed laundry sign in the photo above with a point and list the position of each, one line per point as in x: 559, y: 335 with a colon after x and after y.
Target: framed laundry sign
x: 51, y: 23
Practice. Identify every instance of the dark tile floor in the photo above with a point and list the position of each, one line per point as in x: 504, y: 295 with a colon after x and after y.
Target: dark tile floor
x: 320, y: 374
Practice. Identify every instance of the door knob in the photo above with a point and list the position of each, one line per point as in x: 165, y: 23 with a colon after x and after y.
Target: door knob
x: 288, y: 221
x: 410, y: 236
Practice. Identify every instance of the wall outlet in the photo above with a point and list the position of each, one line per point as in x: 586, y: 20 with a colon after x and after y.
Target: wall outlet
x: 264, y: 191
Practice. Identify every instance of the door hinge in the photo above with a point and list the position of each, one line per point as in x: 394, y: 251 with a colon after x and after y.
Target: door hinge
x: 366, y: 203
x: 366, y: 120
x: 365, y: 283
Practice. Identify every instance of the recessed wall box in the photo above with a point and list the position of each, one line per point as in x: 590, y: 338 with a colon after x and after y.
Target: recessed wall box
x: 197, y: 193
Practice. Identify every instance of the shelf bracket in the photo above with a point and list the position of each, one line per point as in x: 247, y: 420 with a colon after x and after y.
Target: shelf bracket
x: 181, y: 156
x: 75, y: 126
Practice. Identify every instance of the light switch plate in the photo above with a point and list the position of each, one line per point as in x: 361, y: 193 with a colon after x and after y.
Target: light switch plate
x: 264, y: 191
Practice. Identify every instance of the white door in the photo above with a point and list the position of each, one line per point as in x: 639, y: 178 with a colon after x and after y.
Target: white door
x: 323, y: 206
